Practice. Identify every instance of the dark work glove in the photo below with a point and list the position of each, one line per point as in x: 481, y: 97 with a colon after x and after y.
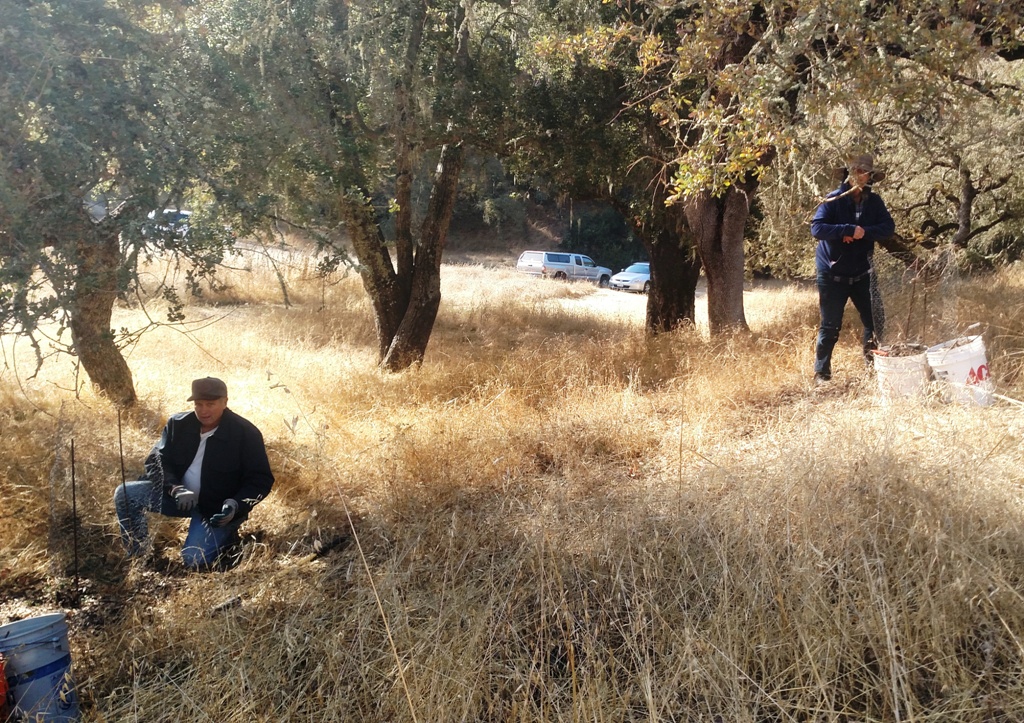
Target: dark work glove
x: 184, y: 498
x: 226, y: 514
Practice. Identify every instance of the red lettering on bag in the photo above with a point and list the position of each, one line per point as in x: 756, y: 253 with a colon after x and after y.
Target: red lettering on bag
x: 978, y: 375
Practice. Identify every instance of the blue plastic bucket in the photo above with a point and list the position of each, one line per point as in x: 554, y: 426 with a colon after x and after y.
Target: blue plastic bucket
x: 38, y: 669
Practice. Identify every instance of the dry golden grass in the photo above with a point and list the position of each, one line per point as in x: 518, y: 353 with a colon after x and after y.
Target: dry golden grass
x: 554, y: 519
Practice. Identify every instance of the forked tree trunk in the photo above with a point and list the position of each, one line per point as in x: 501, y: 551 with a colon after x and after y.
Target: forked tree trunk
x: 405, y: 302
x: 717, y: 223
x: 405, y: 305
x: 409, y: 344
x: 387, y: 295
x: 94, y: 292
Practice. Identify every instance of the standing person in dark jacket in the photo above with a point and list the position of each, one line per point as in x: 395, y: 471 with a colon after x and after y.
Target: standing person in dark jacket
x: 210, y: 466
x: 847, y: 225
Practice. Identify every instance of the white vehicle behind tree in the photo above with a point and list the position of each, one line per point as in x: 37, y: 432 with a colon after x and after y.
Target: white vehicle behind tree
x: 635, y: 277
x: 563, y: 266
x: 170, y: 221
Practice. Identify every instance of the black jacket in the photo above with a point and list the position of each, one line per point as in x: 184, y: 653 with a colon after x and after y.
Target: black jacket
x: 234, y: 466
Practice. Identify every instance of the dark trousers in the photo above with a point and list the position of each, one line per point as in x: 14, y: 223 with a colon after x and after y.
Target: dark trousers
x: 833, y: 293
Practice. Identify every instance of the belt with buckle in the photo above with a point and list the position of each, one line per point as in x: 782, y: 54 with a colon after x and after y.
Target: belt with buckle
x: 849, y: 279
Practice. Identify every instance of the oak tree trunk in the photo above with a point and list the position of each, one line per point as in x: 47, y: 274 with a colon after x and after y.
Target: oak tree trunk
x: 94, y: 291
x: 675, y: 270
x: 388, y: 296
x: 405, y: 302
x: 409, y: 344
x: 717, y: 223
x: 671, y: 303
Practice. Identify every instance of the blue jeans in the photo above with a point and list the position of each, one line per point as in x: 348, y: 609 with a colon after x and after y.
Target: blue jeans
x: 833, y: 293
x: 203, y: 543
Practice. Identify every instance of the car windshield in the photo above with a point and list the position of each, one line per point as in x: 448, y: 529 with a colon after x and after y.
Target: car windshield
x: 639, y: 268
x: 170, y: 216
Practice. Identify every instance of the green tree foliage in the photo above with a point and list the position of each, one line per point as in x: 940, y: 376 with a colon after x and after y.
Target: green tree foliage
x: 956, y: 162
x: 585, y: 133
x: 763, y: 69
x: 93, y: 137
x: 353, y: 100
x: 950, y: 143
x: 738, y: 84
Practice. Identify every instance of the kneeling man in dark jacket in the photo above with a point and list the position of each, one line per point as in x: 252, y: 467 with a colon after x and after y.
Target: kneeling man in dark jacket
x: 210, y: 466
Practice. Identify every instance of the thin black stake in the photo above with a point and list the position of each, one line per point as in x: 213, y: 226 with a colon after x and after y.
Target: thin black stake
x: 74, y: 516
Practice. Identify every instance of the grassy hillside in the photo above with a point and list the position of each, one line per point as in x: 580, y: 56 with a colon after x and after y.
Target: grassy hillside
x: 554, y: 519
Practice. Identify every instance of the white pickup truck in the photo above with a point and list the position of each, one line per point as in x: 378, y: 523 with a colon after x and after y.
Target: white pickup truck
x: 565, y: 266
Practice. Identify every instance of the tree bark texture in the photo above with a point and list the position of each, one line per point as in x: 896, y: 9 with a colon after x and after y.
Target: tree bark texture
x: 405, y: 304
x: 409, y: 344
x: 965, y: 207
x: 717, y: 223
x: 388, y: 295
x: 675, y: 270
x: 405, y: 147
x: 94, y: 291
x: 675, y: 267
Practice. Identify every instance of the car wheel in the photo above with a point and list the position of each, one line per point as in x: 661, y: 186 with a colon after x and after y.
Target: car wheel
x: 603, y: 283
x: 560, y: 276
x: 647, y: 287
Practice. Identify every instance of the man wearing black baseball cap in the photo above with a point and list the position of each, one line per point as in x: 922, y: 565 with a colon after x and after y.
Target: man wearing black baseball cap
x: 210, y: 465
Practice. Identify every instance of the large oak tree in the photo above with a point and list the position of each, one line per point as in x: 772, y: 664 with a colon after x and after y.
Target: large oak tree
x: 578, y: 135
x: 95, y: 135
x: 357, y: 102
x: 739, y: 81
